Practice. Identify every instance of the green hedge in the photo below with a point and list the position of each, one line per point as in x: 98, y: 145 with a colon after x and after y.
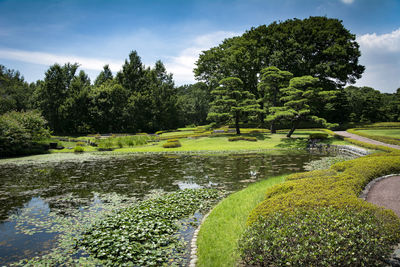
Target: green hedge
x: 321, y: 237
x: 384, y: 139
x: 242, y: 138
x: 318, y: 136
x: 337, y: 190
x: 172, y: 143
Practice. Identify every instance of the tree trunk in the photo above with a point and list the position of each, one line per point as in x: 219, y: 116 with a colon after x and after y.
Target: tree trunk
x: 295, y: 123
x: 272, y: 128
x: 237, y: 123
x: 261, y: 116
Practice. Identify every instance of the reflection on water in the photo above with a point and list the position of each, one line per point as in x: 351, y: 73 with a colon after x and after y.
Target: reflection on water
x: 57, y: 185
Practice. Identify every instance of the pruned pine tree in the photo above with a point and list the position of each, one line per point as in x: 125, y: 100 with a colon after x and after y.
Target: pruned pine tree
x: 269, y: 87
x: 298, y: 99
x: 232, y: 103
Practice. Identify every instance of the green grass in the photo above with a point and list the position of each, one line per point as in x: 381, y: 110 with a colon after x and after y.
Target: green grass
x: 394, y: 133
x: 219, y: 234
x: 215, y: 142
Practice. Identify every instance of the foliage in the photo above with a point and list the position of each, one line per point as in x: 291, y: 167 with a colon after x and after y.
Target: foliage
x: 219, y: 233
x: 172, y: 143
x: 299, y: 102
x: 193, y: 104
x: 316, y: 46
x: 317, y: 237
x: 79, y: 149
x: 273, y: 80
x: 318, y: 136
x: 232, y: 103
x: 16, y: 94
x: 326, y: 162
x: 242, y: 138
x: 144, y: 234
x: 20, y: 133
x: 104, y: 76
x: 336, y: 188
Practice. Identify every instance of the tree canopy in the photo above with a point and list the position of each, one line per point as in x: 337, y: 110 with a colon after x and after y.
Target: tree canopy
x: 317, y: 46
x: 232, y: 103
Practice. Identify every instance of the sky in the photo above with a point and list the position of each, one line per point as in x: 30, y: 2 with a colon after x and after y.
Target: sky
x: 34, y: 34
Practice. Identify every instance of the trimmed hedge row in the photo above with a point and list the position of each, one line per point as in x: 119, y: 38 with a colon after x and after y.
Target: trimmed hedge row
x: 242, y: 138
x: 384, y: 139
x: 303, y: 197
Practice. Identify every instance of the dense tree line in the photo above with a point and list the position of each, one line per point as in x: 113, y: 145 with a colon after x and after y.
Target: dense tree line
x: 271, y: 76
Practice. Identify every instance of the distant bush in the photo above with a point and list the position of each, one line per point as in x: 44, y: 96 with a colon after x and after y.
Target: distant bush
x: 320, y: 136
x: 80, y: 144
x: 21, y: 133
x: 78, y: 149
x: 172, y: 143
x: 242, y: 138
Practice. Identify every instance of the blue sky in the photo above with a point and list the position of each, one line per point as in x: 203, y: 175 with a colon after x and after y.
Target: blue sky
x: 35, y: 34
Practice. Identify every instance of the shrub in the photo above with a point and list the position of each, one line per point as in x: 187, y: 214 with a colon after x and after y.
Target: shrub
x: 20, y: 133
x: 321, y: 237
x: 318, y: 136
x: 78, y: 149
x: 172, y: 143
x: 80, y: 144
x: 335, y: 189
x: 242, y: 138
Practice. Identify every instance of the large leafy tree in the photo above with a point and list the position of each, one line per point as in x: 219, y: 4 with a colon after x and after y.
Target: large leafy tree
x: 15, y: 93
x: 104, y: 75
x: 107, y: 107
x: 317, y: 46
x: 299, y: 100
x: 52, y: 93
x: 75, y: 108
x: 132, y: 75
x: 270, y: 86
x: 193, y: 104
x: 232, y: 103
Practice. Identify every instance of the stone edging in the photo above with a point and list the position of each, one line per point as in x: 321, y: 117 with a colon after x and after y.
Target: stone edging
x: 346, y: 149
x: 368, y: 187
x: 193, y: 245
x: 394, y: 260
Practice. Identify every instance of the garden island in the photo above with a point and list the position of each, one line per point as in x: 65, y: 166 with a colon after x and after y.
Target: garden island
x: 262, y: 162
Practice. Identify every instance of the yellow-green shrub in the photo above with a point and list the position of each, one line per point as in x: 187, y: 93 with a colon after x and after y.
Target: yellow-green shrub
x: 172, y: 143
x: 242, y: 138
x: 340, y: 185
x: 336, y: 189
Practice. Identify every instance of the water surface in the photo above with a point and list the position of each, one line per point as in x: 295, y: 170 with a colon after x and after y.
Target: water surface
x: 58, y: 183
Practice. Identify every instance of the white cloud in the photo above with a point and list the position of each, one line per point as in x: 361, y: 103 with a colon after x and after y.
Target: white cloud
x: 380, y: 54
x: 49, y: 59
x: 388, y: 41
x: 182, y: 65
x: 347, y: 1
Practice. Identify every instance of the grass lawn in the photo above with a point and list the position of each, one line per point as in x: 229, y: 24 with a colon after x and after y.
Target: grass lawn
x: 218, y: 142
x: 394, y: 133
x: 219, y: 234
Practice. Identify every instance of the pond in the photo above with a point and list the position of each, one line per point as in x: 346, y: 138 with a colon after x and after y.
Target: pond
x: 74, y: 183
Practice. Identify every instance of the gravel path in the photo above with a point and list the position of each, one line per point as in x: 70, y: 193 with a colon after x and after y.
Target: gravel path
x: 364, y: 139
x: 386, y: 193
